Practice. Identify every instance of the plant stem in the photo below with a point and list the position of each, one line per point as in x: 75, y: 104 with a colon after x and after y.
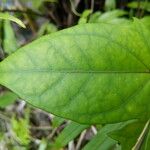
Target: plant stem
x: 142, y: 136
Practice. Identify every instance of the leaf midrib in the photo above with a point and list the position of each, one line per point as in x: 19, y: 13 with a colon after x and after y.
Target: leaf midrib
x: 75, y: 71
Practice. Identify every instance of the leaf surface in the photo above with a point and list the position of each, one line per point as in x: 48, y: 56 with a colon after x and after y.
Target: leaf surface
x: 92, y: 73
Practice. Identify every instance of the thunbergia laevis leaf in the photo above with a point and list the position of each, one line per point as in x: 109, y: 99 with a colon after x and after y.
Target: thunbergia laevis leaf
x: 91, y: 73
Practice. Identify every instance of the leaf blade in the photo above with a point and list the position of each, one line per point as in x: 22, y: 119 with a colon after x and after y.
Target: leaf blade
x: 10, y: 42
x: 6, y: 16
x: 67, y: 67
x: 70, y: 132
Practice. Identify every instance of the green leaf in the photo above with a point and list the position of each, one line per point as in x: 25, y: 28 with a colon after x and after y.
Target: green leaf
x: 35, y: 4
x: 84, y: 17
x: 110, y: 4
x: 146, y: 21
x: 110, y: 17
x: 69, y: 133
x: 6, y: 16
x: 43, y: 144
x: 94, y: 17
x: 7, y: 98
x: 57, y: 121
x: 128, y: 134
x: 143, y: 5
x: 46, y: 28
x: 9, y: 43
x: 101, y: 141
x: 91, y: 73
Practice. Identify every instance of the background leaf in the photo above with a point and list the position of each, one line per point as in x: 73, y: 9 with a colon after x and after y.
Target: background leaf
x: 57, y: 121
x: 6, y: 16
x: 113, y: 16
x: 71, y: 131
x: 101, y: 141
x: 143, y: 5
x: 10, y: 42
x: 7, y: 98
x: 110, y: 4
x: 128, y: 134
